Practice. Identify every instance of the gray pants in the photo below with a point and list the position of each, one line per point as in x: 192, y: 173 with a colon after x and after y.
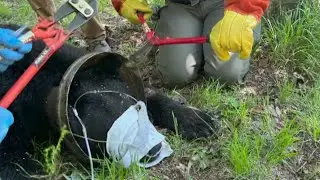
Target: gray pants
x: 179, y: 64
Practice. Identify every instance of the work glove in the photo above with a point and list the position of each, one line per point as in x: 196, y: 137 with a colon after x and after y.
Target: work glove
x: 234, y: 33
x: 6, y: 120
x: 13, y: 50
x: 129, y: 9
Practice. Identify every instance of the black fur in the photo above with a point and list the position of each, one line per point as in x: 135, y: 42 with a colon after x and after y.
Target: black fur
x: 31, y: 120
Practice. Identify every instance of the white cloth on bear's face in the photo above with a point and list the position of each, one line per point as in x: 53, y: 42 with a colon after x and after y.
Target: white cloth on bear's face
x: 132, y: 136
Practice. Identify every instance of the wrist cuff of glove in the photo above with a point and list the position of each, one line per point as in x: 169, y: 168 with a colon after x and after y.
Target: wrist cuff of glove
x: 255, y: 8
x: 117, y: 4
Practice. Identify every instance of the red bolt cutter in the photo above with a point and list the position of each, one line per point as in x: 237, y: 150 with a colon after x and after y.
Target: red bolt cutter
x: 54, y: 37
x: 156, y: 41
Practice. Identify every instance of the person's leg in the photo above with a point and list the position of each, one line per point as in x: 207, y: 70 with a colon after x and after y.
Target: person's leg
x: 43, y: 8
x: 95, y: 36
x: 233, y: 71
x: 178, y: 64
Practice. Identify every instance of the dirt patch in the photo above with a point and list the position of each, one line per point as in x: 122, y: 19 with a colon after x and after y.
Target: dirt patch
x: 179, y: 170
x: 123, y: 37
x: 306, y: 164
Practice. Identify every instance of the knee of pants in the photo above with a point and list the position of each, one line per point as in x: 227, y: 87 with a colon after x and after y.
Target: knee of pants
x: 178, y: 72
x: 233, y: 71
x: 178, y: 80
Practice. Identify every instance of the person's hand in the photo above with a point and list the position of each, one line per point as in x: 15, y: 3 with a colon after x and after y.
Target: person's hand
x: 234, y: 33
x: 6, y: 120
x: 13, y: 50
x: 129, y: 9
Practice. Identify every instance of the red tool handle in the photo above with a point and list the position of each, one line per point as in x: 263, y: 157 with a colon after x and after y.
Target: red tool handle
x: 155, y: 40
x: 52, y: 46
x: 18, y: 86
x: 187, y: 40
x: 141, y: 18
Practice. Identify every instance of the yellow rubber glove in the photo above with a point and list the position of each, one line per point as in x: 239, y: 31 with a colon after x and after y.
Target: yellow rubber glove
x: 234, y: 33
x: 129, y: 9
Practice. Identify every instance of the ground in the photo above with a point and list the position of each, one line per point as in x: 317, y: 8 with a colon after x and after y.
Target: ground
x: 271, y: 127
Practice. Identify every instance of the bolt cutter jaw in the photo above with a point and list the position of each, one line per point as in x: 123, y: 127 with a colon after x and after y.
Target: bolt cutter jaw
x: 86, y: 9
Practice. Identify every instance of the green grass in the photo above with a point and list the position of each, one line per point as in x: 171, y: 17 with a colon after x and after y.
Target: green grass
x: 253, y: 143
x: 18, y: 12
x: 308, y: 102
x: 293, y: 38
x: 114, y: 171
x: 4, y: 10
x: 250, y: 149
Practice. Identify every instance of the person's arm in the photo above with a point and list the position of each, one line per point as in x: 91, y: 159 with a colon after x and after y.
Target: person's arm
x: 255, y: 8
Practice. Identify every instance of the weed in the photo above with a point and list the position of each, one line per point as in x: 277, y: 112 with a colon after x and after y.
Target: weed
x: 281, y: 142
x: 176, y: 142
x: 286, y: 91
x: 293, y: 39
x: 313, y: 125
x: 309, y: 110
x: 207, y: 95
x: 114, y: 171
x: 239, y: 154
x: 51, y: 154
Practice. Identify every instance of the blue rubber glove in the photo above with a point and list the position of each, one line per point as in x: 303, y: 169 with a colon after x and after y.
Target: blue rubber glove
x: 13, y: 50
x: 6, y: 120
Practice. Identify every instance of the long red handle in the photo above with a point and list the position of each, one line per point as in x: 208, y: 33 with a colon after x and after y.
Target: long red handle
x: 187, y: 40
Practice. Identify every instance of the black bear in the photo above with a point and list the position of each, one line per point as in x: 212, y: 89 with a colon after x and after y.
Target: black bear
x: 35, y: 109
